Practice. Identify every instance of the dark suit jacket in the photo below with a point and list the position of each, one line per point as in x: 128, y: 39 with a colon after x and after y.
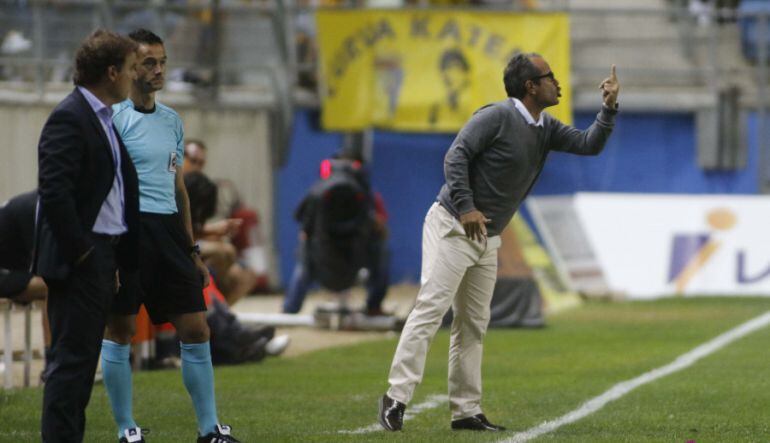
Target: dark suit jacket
x: 75, y: 176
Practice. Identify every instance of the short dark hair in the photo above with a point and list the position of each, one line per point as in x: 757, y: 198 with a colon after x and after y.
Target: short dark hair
x: 97, y: 52
x: 195, y: 141
x: 203, y: 198
x: 453, y: 57
x: 144, y: 36
x: 518, y: 70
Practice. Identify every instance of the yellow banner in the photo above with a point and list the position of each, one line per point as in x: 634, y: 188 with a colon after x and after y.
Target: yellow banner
x: 428, y: 70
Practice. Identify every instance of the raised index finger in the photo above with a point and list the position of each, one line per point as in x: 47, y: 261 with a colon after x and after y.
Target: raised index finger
x: 612, y: 73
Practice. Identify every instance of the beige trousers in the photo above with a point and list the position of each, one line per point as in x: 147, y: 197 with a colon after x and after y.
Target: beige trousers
x: 457, y: 272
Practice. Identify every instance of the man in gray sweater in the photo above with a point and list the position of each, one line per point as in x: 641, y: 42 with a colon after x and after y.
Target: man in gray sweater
x: 489, y: 169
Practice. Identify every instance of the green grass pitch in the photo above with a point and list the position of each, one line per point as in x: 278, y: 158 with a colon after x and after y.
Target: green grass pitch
x: 530, y: 376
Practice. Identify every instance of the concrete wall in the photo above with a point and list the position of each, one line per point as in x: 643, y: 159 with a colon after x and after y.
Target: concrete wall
x: 239, y: 150
x: 238, y: 141
x: 20, y: 128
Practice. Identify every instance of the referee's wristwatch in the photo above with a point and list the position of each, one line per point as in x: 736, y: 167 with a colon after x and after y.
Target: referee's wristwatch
x: 195, y: 250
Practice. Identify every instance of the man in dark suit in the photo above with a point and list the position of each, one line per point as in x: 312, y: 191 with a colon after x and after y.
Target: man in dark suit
x: 86, y: 225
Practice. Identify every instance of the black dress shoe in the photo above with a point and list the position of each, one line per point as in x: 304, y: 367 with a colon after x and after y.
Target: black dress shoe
x: 477, y: 422
x: 391, y: 413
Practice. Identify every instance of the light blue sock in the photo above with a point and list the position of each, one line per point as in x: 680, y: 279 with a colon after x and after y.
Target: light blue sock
x: 116, y: 370
x: 198, y: 377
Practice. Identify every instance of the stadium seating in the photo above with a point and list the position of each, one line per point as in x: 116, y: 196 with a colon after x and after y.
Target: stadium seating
x: 750, y: 31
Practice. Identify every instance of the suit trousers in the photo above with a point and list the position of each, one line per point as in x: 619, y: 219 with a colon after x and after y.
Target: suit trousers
x: 457, y: 272
x: 78, y: 307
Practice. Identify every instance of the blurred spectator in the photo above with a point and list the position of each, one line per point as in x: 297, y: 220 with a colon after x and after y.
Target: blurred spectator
x: 706, y: 11
x: 194, y: 41
x: 727, y: 10
x: 233, y: 245
x: 17, y: 221
x: 17, y: 224
x: 15, y: 42
x: 342, y: 229
x: 307, y: 49
x: 702, y: 11
x: 231, y: 341
x: 203, y: 199
x: 216, y: 250
x: 228, y: 200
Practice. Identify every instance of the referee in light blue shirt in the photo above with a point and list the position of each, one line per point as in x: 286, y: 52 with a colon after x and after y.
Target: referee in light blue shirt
x: 171, y: 274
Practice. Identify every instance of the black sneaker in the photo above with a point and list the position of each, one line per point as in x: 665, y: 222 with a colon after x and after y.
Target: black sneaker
x: 477, y: 422
x: 220, y: 435
x: 133, y: 435
x: 391, y: 413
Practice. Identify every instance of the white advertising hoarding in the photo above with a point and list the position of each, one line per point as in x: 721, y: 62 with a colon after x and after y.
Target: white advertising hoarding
x: 565, y: 240
x: 658, y: 245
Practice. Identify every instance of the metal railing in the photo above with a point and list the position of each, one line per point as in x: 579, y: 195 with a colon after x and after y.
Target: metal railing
x: 263, y: 53
x: 266, y: 48
x: 211, y: 44
x: 7, y: 308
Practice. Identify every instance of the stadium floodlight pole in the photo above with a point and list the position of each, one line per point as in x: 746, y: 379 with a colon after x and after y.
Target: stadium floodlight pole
x: 282, y: 17
x: 713, y: 57
x: 38, y: 29
x: 762, y: 34
x: 217, y: 64
x: 104, y: 11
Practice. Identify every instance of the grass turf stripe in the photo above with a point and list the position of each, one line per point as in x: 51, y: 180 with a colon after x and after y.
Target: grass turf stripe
x: 623, y: 388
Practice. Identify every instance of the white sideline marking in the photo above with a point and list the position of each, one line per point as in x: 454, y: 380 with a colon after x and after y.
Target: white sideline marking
x: 431, y: 402
x: 623, y: 388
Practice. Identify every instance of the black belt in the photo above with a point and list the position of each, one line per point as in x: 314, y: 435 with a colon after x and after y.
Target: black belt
x: 109, y: 238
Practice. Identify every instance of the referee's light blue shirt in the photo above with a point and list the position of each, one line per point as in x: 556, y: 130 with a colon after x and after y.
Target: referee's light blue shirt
x: 155, y: 142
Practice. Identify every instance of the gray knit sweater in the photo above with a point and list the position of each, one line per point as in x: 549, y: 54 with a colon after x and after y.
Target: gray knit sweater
x: 497, y: 156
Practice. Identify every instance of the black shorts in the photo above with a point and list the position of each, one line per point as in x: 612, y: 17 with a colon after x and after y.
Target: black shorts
x: 168, y: 282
